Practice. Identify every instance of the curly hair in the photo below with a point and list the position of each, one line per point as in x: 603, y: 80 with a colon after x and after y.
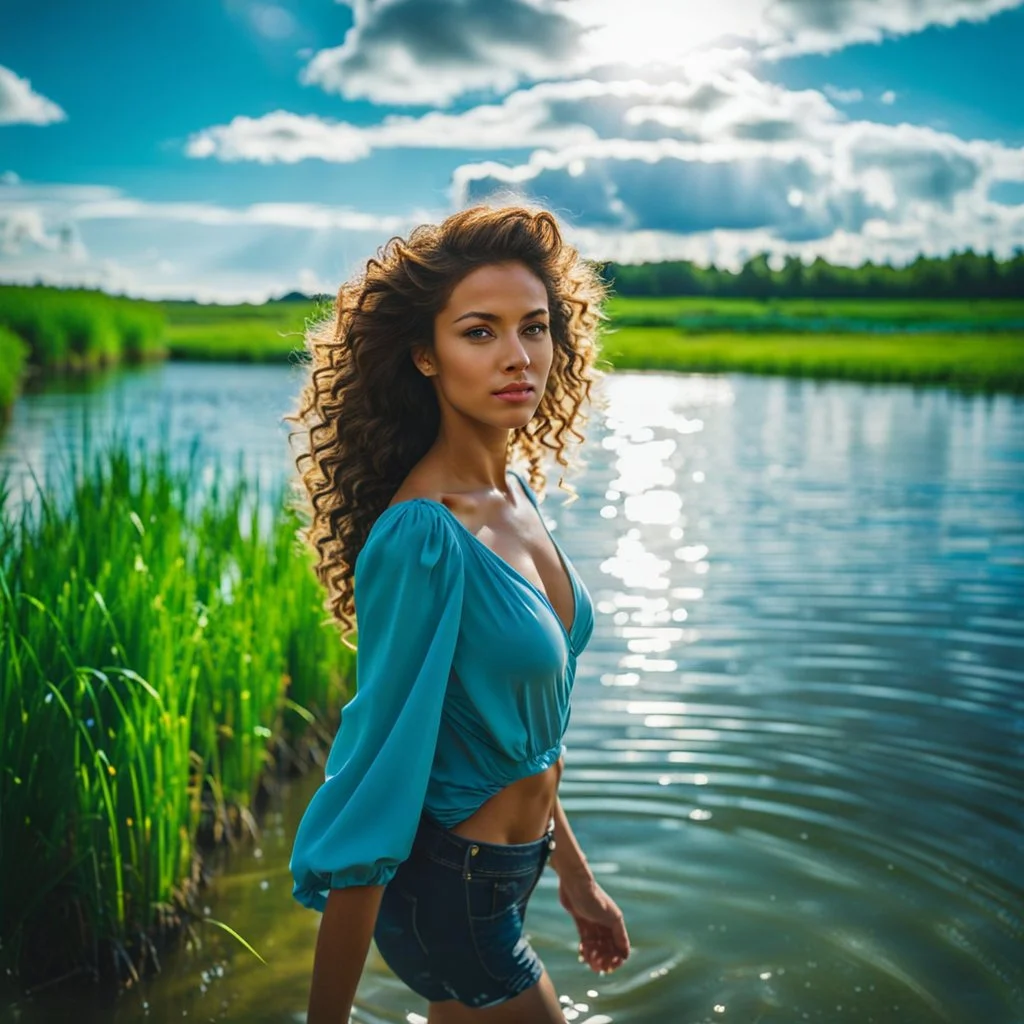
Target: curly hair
x: 369, y: 416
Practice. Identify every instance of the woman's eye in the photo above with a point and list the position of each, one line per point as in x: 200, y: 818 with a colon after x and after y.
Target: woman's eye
x: 473, y: 332
x: 537, y: 328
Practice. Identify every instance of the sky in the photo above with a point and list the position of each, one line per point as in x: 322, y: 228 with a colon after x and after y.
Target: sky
x: 235, y: 150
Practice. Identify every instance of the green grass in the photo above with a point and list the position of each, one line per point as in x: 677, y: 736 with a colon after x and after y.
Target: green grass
x: 654, y: 312
x: 245, y: 333
x: 266, y: 339
x: 293, y: 313
x: 971, y: 361
x: 13, y: 358
x: 155, y: 646
x: 81, y: 330
x: 71, y: 331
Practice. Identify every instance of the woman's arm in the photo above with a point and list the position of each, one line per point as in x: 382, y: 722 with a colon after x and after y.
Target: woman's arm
x: 341, y: 947
x: 604, y: 942
x: 567, y: 858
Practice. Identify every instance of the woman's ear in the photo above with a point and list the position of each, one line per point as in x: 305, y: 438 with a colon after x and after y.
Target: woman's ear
x: 423, y: 361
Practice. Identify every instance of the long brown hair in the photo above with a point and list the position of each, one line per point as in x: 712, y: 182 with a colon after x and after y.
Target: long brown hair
x: 369, y: 416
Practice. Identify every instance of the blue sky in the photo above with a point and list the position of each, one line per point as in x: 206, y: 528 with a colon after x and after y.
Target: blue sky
x: 230, y: 149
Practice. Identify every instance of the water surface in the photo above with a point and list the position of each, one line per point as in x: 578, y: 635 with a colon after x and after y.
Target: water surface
x: 796, y: 755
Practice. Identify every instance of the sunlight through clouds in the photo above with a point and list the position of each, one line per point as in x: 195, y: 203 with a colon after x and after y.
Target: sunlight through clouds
x: 655, y: 131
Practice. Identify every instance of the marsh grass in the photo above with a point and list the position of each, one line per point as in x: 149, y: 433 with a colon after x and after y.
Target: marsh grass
x: 153, y: 642
x: 77, y: 330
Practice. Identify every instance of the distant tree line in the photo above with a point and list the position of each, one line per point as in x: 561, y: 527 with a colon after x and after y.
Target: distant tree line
x: 966, y: 275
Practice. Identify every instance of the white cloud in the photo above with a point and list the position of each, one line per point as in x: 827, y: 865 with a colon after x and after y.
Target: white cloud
x: 868, y: 185
x: 821, y: 26
x: 306, y: 216
x: 838, y: 95
x: 25, y: 229
x: 281, y: 137
x: 97, y: 236
x: 888, y: 97
x: 713, y: 106
x: 312, y: 283
x: 430, y: 51
x: 271, y: 21
x: 998, y: 230
x: 20, y: 104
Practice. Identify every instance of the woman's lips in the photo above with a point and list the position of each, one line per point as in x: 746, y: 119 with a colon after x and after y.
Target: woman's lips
x: 522, y: 395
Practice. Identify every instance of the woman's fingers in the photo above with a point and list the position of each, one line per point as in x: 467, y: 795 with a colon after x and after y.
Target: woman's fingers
x: 599, y: 954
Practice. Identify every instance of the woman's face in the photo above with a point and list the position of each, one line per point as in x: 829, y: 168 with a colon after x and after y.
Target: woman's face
x: 493, y: 332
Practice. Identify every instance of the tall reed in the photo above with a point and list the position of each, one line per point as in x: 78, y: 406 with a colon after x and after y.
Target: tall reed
x: 149, y: 634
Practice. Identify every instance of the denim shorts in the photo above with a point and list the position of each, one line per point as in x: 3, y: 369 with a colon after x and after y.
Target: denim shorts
x: 451, y: 919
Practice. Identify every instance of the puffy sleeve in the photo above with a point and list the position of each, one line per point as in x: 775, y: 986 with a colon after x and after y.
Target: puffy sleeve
x: 360, y: 824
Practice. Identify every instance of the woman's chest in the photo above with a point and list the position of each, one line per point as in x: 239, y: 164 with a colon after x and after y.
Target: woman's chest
x: 509, y: 631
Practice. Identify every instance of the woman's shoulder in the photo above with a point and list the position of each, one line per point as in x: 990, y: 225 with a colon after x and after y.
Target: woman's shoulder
x: 413, y: 526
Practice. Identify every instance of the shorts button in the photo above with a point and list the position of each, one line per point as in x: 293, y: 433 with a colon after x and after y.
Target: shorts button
x: 551, y: 845
x: 474, y: 850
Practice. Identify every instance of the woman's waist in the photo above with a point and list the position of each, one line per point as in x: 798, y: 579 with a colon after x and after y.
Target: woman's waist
x: 520, y: 811
x: 511, y: 804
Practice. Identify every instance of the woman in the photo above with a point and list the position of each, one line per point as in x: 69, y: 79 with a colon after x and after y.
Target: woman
x: 463, y: 346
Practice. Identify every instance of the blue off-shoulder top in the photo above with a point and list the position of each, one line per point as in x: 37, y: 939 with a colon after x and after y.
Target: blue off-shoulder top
x: 463, y: 678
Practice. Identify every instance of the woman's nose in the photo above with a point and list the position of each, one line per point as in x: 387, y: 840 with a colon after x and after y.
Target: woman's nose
x: 516, y: 357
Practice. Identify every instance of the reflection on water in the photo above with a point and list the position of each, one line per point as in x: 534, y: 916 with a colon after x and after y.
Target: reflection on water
x: 795, y: 756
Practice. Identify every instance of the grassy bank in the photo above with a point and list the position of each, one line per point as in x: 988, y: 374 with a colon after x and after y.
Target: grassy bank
x: 989, y: 362
x: 958, y: 342
x: 81, y: 330
x: 155, y: 650
x: 71, y: 331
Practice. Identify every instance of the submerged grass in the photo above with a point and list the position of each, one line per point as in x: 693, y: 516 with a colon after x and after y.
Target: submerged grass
x: 152, y: 641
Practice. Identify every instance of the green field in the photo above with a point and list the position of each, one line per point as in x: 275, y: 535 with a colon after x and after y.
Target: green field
x: 900, y: 313
x: 968, y: 361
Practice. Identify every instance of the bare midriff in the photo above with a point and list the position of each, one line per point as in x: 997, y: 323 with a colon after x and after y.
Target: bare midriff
x: 519, y: 813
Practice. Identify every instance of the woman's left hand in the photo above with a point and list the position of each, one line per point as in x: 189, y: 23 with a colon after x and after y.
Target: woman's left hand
x: 604, y: 943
